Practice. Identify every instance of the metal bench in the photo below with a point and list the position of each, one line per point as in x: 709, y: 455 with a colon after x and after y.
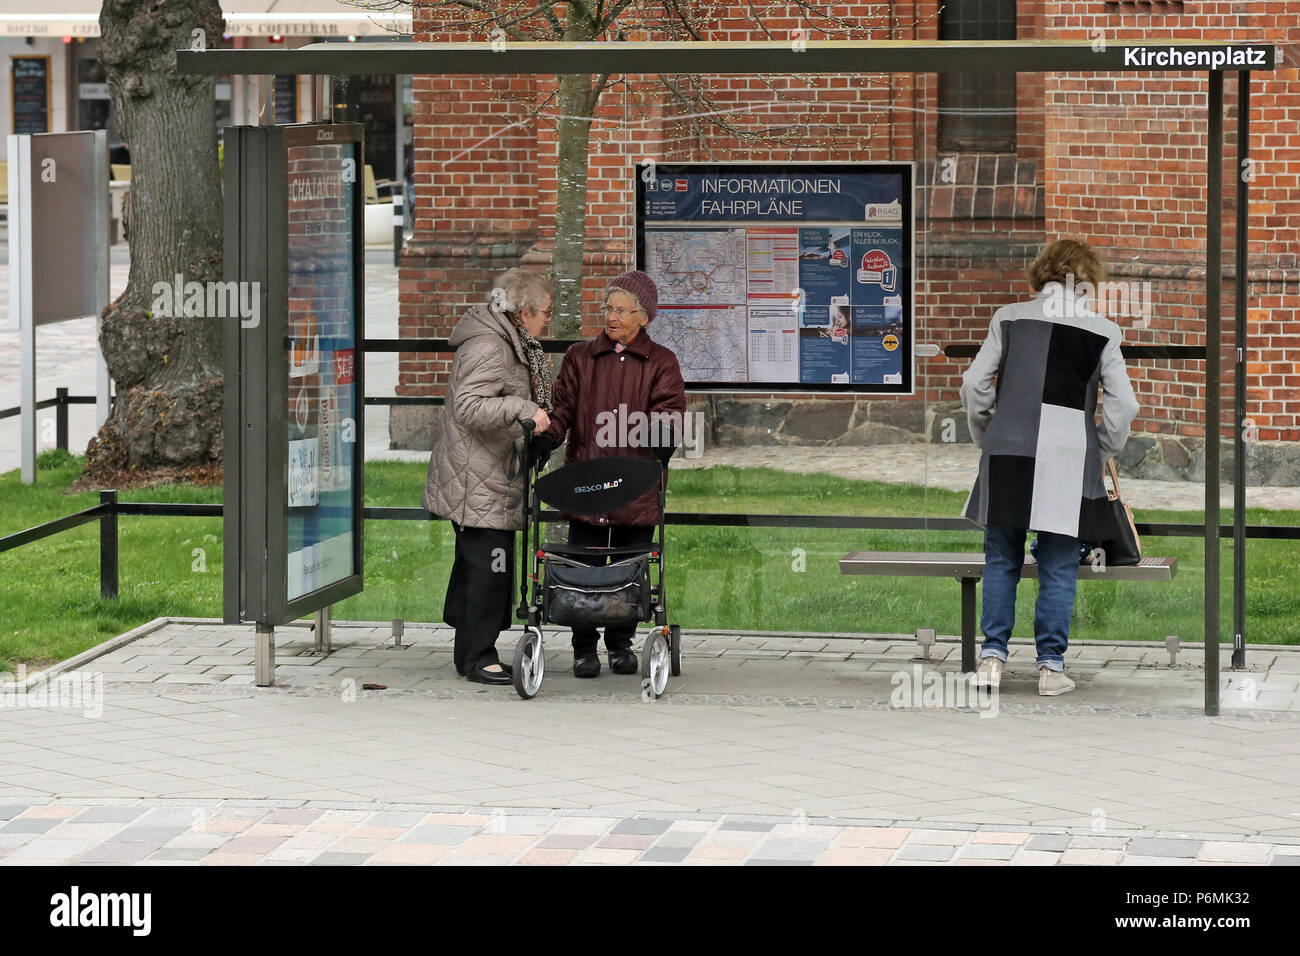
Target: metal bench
x: 969, y: 568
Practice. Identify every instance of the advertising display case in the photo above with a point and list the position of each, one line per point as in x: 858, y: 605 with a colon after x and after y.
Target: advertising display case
x: 294, y: 374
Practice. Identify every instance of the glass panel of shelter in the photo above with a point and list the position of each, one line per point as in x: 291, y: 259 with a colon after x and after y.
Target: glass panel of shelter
x: 1083, y: 165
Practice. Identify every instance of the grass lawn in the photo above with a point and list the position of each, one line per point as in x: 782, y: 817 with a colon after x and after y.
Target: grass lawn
x: 762, y: 578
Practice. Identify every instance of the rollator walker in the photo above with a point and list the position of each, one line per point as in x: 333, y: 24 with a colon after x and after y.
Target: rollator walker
x: 574, y: 586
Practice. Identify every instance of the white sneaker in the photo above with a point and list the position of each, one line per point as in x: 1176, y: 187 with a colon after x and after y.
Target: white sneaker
x: 989, y: 673
x: 1053, y: 683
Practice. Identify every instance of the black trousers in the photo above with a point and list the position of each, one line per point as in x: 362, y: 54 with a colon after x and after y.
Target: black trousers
x: 586, y: 535
x: 478, y: 594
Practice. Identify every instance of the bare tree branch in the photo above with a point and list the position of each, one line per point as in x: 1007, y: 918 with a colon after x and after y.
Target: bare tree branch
x: 759, y: 20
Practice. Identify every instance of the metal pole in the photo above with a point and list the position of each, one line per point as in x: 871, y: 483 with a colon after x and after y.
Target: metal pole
x: 21, y: 311
x: 103, y: 276
x: 108, y: 547
x: 264, y: 656
x: 266, y: 101
x: 324, y: 639
x: 1240, y: 332
x: 1213, y: 342
x: 968, y: 625
x: 61, y: 418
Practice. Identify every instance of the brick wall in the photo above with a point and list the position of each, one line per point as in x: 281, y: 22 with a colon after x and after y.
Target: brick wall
x: 1128, y: 155
x: 1095, y: 156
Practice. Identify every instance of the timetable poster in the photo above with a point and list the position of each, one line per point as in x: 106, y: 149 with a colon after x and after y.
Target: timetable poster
x: 321, y: 328
x: 796, y: 278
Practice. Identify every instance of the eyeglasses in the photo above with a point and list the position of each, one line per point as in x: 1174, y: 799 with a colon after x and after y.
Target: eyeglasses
x: 621, y: 313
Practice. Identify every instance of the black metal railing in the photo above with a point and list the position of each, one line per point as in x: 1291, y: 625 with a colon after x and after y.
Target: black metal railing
x: 110, y: 508
x: 59, y: 403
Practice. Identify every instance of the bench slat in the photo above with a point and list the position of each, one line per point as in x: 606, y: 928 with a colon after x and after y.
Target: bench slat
x: 943, y: 564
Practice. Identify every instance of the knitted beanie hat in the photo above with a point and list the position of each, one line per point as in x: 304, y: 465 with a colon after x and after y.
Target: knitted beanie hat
x: 641, y: 286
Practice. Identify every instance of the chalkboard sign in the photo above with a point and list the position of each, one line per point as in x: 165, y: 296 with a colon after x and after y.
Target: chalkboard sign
x: 31, y: 94
x: 286, y: 100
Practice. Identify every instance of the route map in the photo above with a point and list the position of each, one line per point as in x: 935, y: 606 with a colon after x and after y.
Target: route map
x: 709, y: 343
x: 697, y: 267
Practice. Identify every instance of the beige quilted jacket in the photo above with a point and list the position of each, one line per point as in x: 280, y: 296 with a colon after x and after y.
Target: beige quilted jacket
x: 476, y: 473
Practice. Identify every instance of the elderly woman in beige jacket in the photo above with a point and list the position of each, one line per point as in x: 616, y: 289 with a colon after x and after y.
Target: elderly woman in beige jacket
x: 500, y: 378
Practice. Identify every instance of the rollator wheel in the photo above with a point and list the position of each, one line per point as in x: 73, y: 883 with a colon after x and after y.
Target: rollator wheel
x: 655, y: 665
x: 675, y: 648
x: 530, y: 663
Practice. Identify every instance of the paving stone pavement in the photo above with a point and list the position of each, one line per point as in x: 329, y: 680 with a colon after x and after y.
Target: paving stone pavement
x: 1129, y: 675
x: 281, y: 833
x: 768, y: 749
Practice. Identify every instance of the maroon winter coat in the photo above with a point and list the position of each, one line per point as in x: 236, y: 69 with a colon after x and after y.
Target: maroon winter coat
x: 595, y: 379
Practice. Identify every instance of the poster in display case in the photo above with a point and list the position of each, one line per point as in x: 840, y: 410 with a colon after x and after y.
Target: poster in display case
x: 294, y: 382
x: 782, y: 277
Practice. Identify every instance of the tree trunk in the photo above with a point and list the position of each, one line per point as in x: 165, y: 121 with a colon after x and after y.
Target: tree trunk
x: 166, y: 422
x: 576, y: 101
x: 573, y: 136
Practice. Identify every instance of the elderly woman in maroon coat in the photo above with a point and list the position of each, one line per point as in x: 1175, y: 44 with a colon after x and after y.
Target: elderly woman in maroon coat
x: 611, y: 392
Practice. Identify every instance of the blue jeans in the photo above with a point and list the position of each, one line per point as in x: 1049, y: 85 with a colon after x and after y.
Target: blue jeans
x: 1058, y: 575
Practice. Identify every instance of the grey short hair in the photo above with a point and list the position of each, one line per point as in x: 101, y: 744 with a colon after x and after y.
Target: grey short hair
x: 517, y: 289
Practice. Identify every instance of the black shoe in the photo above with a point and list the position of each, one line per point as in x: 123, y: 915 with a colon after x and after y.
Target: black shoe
x: 588, y: 665
x: 481, y: 676
x: 622, y: 662
x: 505, y: 667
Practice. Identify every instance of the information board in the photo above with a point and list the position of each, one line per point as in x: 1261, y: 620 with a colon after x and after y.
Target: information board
x: 294, y: 374
x: 782, y: 277
x: 30, y: 107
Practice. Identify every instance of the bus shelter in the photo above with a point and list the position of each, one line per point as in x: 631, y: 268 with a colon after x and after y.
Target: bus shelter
x: 821, y: 59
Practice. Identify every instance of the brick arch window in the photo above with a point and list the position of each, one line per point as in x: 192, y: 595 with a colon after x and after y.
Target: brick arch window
x: 977, y: 111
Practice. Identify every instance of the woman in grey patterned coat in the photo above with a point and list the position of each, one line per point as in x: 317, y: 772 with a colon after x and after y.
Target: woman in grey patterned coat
x: 500, y: 378
x: 1031, y: 400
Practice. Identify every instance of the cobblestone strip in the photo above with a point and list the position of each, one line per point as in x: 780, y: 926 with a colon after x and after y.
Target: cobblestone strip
x: 177, y: 833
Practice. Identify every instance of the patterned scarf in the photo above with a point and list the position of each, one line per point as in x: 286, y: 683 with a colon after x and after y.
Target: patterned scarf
x: 539, y: 366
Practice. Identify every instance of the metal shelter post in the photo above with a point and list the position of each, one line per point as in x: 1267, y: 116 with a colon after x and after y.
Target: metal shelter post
x: 21, y: 311
x: 1240, y: 332
x: 1213, y: 336
x: 264, y: 656
x: 321, y: 627
x: 103, y: 281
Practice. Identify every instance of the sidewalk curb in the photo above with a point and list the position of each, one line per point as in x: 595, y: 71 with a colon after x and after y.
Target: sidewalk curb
x: 88, y: 655
x: 764, y: 635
